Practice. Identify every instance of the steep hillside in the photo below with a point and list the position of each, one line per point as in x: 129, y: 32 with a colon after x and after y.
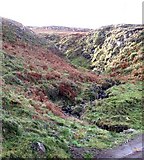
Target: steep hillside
x: 112, y: 49
x: 117, y: 50
x: 49, y: 106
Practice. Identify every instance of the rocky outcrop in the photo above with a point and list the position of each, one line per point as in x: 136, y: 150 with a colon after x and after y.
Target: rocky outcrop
x: 107, y: 47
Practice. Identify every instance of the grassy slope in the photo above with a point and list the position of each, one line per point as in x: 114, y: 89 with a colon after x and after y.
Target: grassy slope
x: 117, y: 50
x: 36, y: 84
x: 123, y: 106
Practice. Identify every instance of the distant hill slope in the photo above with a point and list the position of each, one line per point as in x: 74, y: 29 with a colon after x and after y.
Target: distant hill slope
x: 108, y: 49
x: 117, y: 49
x: 50, y: 107
x: 59, y: 28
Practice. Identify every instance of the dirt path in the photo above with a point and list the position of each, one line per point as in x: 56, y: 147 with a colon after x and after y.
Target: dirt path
x: 131, y: 149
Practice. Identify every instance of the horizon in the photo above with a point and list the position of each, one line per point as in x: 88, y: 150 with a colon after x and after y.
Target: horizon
x: 85, y: 28
x: 74, y: 14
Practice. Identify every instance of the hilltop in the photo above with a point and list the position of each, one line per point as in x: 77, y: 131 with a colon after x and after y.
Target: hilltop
x: 54, y: 29
x: 51, y: 105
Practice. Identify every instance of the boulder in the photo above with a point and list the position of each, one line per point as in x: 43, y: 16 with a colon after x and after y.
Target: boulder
x: 39, y: 147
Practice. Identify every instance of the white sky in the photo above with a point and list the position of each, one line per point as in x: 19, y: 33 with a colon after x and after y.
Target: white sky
x: 74, y: 13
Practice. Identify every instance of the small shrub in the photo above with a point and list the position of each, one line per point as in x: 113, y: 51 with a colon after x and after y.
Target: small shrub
x: 51, y: 91
x: 66, y: 90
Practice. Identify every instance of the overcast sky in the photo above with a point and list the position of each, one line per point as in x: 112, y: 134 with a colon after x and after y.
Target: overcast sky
x: 74, y: 13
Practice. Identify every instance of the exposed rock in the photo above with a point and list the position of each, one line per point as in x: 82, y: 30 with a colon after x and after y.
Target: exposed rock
x: 39, y: 147
x: 87, y: 56
x: 67, y: 109
x: 129, y: 131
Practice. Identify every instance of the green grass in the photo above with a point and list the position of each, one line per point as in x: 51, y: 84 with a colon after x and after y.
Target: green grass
x: 123, y: 107
x: 80, y: 61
